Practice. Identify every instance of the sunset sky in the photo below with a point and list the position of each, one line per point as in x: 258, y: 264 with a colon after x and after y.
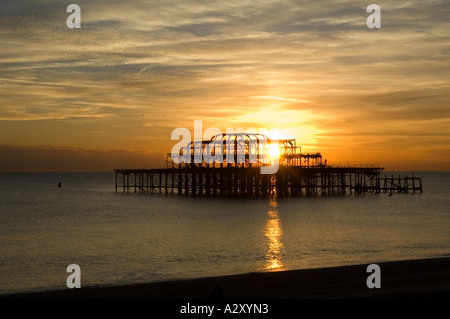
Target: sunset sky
x: 109, y: 95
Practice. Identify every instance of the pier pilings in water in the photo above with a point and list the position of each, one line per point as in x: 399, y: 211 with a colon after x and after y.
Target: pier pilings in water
x: 249, y: 182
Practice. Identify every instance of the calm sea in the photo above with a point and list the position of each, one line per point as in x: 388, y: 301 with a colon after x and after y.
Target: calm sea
x: 119, y: 238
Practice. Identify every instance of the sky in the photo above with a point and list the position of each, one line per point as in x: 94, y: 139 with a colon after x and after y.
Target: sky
x: 109, y: 94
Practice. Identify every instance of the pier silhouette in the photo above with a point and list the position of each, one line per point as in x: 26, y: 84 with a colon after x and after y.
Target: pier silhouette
x: 229, y: 165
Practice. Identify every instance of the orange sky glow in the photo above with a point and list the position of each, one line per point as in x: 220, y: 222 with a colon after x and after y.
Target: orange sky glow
x: 109, y: 95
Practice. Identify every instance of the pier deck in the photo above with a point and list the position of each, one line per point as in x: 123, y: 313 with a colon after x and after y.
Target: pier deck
x: 248, y: 182
x: 230, y: 166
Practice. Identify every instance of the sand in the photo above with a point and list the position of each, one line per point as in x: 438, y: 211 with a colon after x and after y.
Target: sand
x: 427, y: 278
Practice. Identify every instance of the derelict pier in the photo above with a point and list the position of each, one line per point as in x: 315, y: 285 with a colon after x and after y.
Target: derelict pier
x: 297, y: 174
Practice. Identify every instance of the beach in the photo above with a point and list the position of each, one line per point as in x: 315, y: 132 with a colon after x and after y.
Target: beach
x: 423, y: 278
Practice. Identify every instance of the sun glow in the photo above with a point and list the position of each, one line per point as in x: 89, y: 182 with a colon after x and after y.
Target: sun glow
x: 274, y: 150
x: 279, y: 122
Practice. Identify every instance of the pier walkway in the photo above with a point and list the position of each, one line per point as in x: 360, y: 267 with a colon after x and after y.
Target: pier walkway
x: 248, y: 182
x: 236, y: 171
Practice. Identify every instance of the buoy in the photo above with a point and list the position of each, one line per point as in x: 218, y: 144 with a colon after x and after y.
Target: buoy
x: 59, y: 184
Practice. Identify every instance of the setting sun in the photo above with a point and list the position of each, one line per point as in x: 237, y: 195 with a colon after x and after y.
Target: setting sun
x: 189, y: 150
x: 90, y: 99
x: 274, y: 150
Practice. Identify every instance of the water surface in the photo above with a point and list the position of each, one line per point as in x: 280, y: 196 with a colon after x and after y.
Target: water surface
x: 119, y: 238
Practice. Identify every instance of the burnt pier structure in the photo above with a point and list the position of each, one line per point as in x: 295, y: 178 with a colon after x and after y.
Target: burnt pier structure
x: 230, y: 166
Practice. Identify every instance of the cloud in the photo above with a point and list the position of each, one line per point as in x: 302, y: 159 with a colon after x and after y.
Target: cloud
x: 278, y: 98
x: 142, y: 68
x: 52, y: 159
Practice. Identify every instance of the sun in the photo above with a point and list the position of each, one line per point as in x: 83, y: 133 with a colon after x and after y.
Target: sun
x: 274, y: 150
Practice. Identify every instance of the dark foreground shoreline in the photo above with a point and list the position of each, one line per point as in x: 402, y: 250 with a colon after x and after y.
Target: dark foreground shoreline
x: 425, y: 278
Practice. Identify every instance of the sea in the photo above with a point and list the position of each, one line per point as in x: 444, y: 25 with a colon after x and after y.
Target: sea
x: 117, y: 238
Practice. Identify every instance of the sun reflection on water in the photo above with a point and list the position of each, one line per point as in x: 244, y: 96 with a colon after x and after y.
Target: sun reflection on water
x: 273, y: 234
